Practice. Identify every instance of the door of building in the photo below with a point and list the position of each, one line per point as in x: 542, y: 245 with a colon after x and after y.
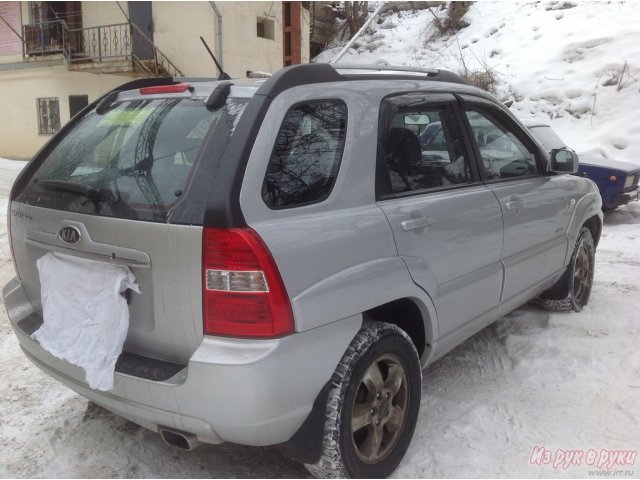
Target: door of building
x: 140, y: 16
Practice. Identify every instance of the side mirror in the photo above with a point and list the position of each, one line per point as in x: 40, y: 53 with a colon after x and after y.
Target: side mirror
x: 563, y: 160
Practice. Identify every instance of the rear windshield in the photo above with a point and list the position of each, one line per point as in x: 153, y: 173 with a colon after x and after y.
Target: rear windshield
x: 133, y: 161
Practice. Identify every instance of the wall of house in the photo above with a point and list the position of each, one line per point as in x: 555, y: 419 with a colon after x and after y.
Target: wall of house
x: 103, y: 13
x: 19, y: 136
x: 177, y: 30
x: 242, y: 48
x: 182, y: 45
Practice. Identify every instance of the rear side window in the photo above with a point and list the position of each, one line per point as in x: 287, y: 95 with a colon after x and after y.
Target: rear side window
x: 133, y: 161
x: 306, y: 157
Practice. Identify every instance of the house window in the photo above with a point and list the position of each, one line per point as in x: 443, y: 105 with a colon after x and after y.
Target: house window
x: 77, y: 103
x: 265, y: 28
x: 48, y: 115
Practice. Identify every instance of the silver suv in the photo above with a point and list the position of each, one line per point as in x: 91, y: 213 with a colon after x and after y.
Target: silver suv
x: 304, y: 245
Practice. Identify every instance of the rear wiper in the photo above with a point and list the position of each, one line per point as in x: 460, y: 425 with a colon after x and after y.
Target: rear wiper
x: 97, y: 195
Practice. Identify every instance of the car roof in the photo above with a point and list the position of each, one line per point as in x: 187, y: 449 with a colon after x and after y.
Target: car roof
x: 297, y: 75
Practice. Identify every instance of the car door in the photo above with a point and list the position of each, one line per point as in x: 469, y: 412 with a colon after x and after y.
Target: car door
x: 446, y: 223
x: 536, y: 207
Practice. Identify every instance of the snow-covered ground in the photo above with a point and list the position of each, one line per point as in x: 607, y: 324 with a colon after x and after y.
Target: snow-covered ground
x: 532, y: 380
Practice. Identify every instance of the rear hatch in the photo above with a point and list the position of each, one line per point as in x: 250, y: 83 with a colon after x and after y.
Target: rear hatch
x: 119, y: 179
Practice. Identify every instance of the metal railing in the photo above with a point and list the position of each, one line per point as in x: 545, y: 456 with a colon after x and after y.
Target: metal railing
x: 97, y: 44
x: 159, y: 65
x: 43, y: 38
x: 104, y: 43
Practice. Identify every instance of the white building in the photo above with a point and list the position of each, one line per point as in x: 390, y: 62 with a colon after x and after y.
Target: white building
x: 56, y: 57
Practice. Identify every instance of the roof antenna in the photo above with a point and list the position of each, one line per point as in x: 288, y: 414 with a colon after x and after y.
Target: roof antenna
x: 223, y: 76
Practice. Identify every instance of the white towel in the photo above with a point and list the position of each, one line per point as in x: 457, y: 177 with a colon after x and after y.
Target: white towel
x: 86, y: 318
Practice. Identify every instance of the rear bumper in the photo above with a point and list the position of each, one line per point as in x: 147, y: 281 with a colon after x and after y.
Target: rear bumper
x: 251, y: 392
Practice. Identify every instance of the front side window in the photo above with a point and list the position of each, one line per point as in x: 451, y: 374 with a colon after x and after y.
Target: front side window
x: 503, y: 155
x: 420, y: 148
x: 306, y: 157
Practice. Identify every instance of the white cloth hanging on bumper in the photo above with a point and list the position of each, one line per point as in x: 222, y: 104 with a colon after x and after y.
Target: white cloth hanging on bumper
x: 86, y: 318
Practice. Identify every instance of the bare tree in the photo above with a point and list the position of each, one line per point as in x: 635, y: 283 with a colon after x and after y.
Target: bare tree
x: 355, y: 13
x: 322, y: 26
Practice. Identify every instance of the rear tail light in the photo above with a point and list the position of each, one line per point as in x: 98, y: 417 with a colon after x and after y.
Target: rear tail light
x: 244, y: 295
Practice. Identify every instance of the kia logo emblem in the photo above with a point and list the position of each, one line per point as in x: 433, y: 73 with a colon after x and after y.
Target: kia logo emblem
x: 69, y: 234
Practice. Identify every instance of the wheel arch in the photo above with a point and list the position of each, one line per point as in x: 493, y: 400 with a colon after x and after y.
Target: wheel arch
x: 594, y: 224
x: 588, y: 213
x: 416, y: 317
x: 560, y: 289
x: 407, y: 314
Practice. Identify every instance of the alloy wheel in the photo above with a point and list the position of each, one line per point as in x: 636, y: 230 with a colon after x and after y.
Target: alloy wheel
x: 379, y: 408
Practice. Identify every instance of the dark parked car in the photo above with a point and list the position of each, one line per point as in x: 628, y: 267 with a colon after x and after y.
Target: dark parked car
x: 616, y: 180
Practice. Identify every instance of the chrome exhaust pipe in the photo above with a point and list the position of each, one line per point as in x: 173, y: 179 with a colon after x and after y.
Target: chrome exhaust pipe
x: 178, y: 439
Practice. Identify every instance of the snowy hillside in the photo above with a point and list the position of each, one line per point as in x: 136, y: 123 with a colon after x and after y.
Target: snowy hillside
x: 576, y: 65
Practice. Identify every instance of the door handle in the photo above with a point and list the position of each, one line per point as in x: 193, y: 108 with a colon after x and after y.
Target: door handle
x: 416, y: 223
x: 514, y: 204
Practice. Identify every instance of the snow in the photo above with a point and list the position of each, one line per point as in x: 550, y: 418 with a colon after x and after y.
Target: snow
x: 532, y: 379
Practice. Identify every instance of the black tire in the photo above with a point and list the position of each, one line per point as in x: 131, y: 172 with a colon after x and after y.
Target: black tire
x: 580, y: 276
x: 377, y: 385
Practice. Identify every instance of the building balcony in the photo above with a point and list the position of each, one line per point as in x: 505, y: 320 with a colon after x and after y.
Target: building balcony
x: 99, y: 49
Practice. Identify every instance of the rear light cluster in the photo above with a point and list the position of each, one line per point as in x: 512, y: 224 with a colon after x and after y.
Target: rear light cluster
x: 244, y: 295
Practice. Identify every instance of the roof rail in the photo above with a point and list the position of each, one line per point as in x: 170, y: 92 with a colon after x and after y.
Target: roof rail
x: 396, y: 72
x: 311, y: 73
x: 383, y: 68
x: 296, y: 75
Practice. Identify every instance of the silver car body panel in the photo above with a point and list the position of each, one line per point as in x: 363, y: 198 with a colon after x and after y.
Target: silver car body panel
x: 166, y: 318
x: 251, y: 392
x: 337, y: 279
x: 535, y: 235
x: 466, y: 224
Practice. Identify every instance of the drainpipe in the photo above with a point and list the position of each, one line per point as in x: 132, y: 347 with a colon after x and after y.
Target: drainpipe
x: 218, y: 31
